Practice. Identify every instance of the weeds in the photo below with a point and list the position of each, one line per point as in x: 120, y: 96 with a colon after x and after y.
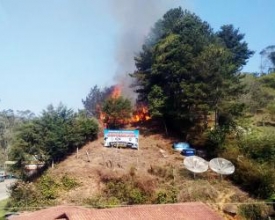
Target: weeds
x: 26, y: 195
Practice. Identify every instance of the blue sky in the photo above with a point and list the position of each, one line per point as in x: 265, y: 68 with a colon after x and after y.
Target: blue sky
x: 54, y: 51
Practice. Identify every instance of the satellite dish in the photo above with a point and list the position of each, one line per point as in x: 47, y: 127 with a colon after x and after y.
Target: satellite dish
x: 195, y: 164
x: 221, y: 166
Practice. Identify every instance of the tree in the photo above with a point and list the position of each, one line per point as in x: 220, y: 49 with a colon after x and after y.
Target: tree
x: 233, y: 40
x: 193, y: 69
x: 9, y: 121
x: 95, y: 99
x: 117, y: 111
x: 52, y: 136
x: 268, y: 59
x: 255, y: 97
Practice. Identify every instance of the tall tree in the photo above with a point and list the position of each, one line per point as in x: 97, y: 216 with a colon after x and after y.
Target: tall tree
x: 117, y: 111
x: 234, y: 41
x: 190, y: 67
x: 94, y: 100
x: 268, y: 59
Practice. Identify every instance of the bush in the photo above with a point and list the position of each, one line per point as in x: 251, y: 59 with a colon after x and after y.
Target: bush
x: 26, y: 195
x: 69, y: 183
x: 256, y: 178
x: 260, y: 148
x: 48, y: 187
x: 126, y: 191
x: 165, y: 196
x: 254, y: 211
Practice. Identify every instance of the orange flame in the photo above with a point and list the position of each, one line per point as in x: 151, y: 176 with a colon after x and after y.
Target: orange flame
x: 141, y: 114
x: 116, y: 92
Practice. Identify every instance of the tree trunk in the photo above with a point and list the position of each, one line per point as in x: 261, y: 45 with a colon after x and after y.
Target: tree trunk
x: 165, y: 127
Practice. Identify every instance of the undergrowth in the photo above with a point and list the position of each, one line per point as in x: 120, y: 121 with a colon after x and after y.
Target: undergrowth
x: 44, y: 192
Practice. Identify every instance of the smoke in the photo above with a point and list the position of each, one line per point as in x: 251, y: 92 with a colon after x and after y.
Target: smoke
x: 134, y: 19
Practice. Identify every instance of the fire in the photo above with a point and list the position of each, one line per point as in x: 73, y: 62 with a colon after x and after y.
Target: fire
x: 141, y: 114
x: 116, y: 92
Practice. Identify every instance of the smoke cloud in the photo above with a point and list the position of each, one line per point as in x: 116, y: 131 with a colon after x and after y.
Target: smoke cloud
x: 134, y: 19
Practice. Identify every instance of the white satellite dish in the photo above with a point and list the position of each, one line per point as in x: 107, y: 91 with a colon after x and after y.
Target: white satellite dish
x: 221, y: 166
x: 195, y: 164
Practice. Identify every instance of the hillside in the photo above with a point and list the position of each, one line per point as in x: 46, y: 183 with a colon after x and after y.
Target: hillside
x: 154, y: 167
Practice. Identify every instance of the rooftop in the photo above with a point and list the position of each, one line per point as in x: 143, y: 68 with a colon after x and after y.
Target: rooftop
x: 183, y: 211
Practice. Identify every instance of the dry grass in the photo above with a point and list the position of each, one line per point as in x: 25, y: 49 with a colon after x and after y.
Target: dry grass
x: 155, y: 167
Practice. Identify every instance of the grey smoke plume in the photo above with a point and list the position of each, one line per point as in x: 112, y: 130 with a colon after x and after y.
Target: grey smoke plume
x: 135, y: 18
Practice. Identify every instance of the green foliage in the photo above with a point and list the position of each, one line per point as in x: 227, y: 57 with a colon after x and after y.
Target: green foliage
x: 185, y: 70
x: 126, y: 192
x: 52, y: 136
x: 215, y: 140
x: 255, y: 96
x: 44, y: 192
x: 99, y: 201
x: 260, y: 148
x: 117, y: 111
x: 156, y: 101
x: 271, y: 110
x: 253, y: 211
x: 68, y: 182
x: 252, y: 176
x: 128, y: 189
x: 48, y: 187
x: 166, y: 196
x: 24, y: 195
x: 233, y: 40
x: 9, y: 122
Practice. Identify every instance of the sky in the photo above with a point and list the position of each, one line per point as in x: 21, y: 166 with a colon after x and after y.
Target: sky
x: 55, y: 51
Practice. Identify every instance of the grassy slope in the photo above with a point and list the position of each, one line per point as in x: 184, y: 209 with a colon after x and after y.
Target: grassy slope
x: 155, y: 153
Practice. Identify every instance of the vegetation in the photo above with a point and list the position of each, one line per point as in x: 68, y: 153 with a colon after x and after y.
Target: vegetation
x: 185, y: 71
x: 3, y: 210
x: 44, y: 192
x: 94, y: 100
x: 51, y: 137
x: 117, y: 111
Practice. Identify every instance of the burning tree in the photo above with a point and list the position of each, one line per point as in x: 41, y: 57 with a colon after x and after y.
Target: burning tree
x: 117, y: 111
x: 110, y: 107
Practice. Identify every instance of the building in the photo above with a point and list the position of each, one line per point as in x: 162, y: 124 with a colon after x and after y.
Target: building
x: 180, y: 211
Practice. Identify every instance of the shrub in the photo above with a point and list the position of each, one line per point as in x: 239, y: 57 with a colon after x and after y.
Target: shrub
x: 256, y: 178
x: 100, y: 201
x: 48, y: 187
x: 165, y: 196
x: 69, y: 183
x: 254, y: 211
x: 25, y: 196
x: 163, y: 172
x: 44, y: 192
